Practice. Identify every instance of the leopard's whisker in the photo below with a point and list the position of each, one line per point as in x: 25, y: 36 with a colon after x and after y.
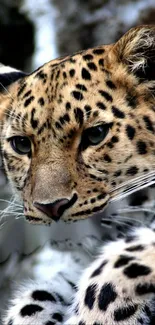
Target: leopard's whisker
x: 6, y: 90
x: 136, y: 179
x: 119, y: 195
x: 136, y: 209
x: 14, y: 208
x: 132, y: 186
x: 121, y: 220
x: 11, y: 203
x: 128, y: 219
x: 19, y: 216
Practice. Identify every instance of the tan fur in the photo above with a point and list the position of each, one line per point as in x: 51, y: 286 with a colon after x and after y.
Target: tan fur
x: 58, y: 168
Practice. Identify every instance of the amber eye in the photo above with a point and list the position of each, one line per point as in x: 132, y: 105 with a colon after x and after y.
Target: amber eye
x: 22, y: 145
x: 94, y: 135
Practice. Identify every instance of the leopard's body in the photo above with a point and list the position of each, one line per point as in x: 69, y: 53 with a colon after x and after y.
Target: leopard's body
x: 76, y: 134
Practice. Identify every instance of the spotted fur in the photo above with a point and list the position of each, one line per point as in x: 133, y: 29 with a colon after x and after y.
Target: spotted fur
x: 119, y: 287
x: 58, y: 106
x: 68, y: 173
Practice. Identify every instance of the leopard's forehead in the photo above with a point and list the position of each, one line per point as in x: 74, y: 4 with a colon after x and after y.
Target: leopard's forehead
x: 74, y: 77
x: 72, y: 92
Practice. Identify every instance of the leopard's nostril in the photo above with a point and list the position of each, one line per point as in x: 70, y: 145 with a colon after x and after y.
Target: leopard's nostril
x: 56, y: 209
x: 53, y: 210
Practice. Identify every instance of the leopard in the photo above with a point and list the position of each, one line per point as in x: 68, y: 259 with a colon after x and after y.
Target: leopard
x: 77, y: 134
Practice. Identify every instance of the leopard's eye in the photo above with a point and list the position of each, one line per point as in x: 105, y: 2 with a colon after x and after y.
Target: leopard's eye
x: 94, y: 135
x: 21, y: 145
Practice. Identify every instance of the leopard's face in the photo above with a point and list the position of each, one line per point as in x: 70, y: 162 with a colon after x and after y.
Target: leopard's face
x: 79, y: 132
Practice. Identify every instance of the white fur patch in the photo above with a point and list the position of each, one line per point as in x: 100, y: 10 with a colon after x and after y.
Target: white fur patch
x: 7, y: 69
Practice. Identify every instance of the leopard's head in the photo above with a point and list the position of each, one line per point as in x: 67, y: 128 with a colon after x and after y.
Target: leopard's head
x: 80, y: 131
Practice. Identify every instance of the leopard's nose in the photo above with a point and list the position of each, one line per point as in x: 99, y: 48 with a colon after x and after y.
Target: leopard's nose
x: 53, y: 210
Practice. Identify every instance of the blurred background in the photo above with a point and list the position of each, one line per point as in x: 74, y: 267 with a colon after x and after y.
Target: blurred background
x: 31, y: 33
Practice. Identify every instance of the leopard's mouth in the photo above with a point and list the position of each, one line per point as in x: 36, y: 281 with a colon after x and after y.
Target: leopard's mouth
x: 70, y: 210
x: 36, y: 220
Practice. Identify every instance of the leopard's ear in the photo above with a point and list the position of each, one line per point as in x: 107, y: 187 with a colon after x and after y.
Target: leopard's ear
x: 136, y: 49
x: 8, y: 76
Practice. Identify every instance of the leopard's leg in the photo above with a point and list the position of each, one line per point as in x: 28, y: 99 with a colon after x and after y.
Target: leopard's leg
x: 39, y: 304
x: 46, y: 302
x: 119, y: 287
